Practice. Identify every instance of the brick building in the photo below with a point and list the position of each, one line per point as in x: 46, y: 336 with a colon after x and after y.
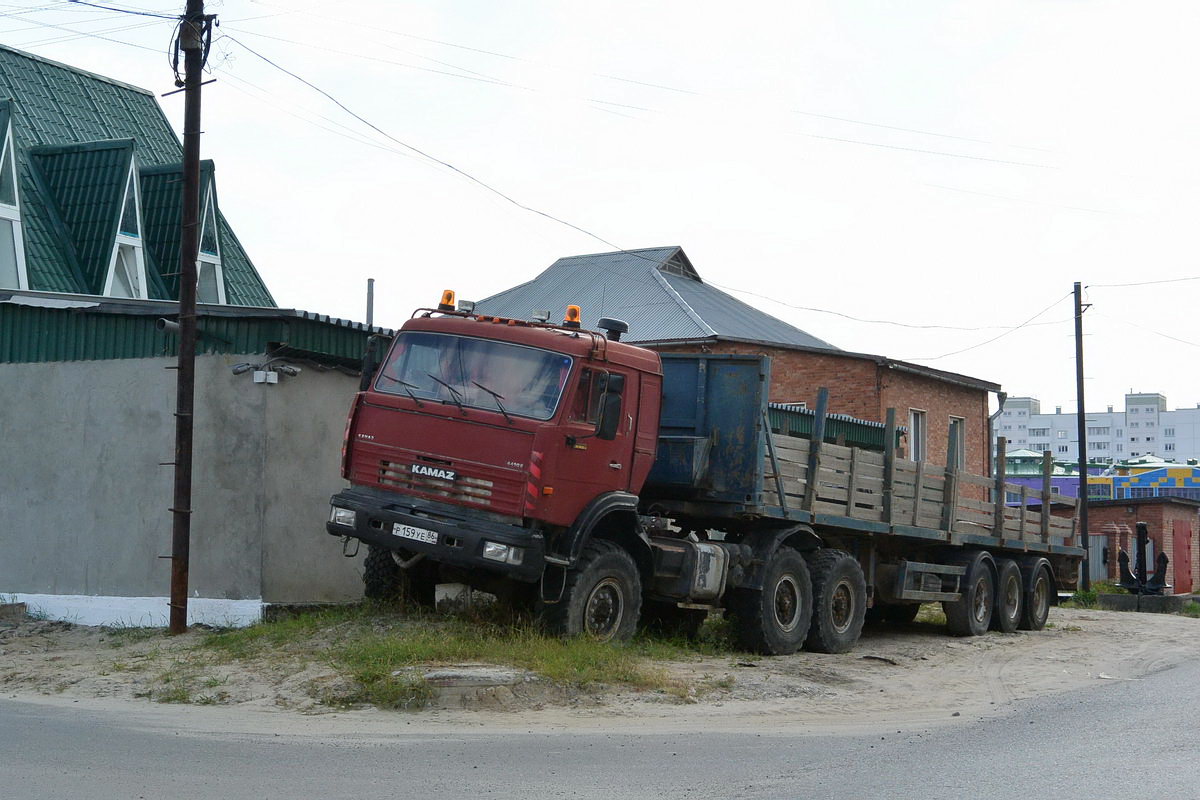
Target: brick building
x: 1174, y: 527
x: 669, y: 308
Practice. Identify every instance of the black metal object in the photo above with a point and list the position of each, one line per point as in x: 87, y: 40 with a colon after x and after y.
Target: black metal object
x: 1135, y: 582
x: 195, y: 32
x: 1081, y: 420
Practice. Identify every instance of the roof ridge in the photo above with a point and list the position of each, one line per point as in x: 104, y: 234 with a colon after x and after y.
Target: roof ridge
x: 671, y: 247
x: 691, y: 312
x: 81, y: 147
x: 76, y: 70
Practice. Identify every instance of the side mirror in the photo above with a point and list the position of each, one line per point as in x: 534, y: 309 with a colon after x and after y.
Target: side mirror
x: 614, y: 384
x: 610, y: 416
x: 377, y: 346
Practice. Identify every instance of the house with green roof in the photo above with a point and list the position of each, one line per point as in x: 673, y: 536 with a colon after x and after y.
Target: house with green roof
x: 90, y: 193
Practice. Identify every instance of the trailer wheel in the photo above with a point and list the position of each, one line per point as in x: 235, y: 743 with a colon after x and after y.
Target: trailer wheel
x: 1036, y: 608
x: 602, y: 596
x: 385, y: 580
x: 774, y: 620
x: 1009, y: 597
x: 971, y: 615
x: 839, y: 601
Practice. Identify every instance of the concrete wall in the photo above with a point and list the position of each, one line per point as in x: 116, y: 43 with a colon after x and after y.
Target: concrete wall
x: 84, y: 503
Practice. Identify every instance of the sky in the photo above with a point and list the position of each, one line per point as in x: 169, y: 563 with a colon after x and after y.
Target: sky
x: 921, y: 180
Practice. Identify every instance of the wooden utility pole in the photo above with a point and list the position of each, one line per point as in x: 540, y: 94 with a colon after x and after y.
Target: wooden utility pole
x: 192, y: 34
x: 1082, y: 416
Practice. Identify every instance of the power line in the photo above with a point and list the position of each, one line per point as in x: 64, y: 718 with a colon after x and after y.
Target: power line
x: 473, y: 77
x: 913, y: 326
x: 85, y: 34
x: 927, y: 151
x: 1148, y: 330
x: 421, y: 152
x: 914, y: 130
x: 1140, y: 283
x: 994, y: 338
x: 124, y: 10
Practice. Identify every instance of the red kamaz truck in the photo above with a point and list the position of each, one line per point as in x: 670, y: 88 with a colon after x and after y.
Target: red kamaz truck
x: 606, y: 484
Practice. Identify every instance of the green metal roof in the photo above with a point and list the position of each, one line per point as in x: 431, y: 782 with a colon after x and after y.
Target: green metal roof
x: 64, y: 214
x: 162, y: 210
x: 38, y: 327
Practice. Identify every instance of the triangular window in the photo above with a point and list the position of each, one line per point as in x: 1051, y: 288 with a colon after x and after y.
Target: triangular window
x: 210, y: 277
x: 129, y: 214
x: 208, y: 235
x: 12, y: 247
x: 8, y: 175
x: 127, y: 266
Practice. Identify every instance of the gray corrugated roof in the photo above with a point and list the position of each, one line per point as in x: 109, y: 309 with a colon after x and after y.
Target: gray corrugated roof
x: 656, y: 290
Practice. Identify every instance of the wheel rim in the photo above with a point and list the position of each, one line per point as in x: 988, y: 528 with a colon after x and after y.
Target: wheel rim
x: 604, y: 610
x: 842, y: 607
x: 983, y: 601
x: 1040, y: 594
x: 787, y: 603
x: 1012, y: 596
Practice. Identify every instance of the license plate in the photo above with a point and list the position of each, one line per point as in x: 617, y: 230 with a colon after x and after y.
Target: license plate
x: 416, y: 534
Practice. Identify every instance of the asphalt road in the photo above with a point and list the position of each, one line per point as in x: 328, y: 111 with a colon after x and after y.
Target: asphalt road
x: 1117, y: 739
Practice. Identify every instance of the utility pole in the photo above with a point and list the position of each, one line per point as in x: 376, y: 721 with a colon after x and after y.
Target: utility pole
x: 370, y: 302
x: 1082, y: 417
x: 192, y: 32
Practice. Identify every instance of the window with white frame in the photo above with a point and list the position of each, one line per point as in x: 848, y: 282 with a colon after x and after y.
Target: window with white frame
x: 1169, y: 446
x: 958, y: 430
x: 1061, y: 434
x: 12, y: 245
x: 127, y: 266
x: 210, y: 277
x: 1097, y: 431
x: 1168, y: 431
x: 916, y: 435
x: 1062, y: 448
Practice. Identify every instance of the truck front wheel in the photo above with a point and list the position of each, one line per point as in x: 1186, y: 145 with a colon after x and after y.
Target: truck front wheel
x: 839, y: 601
x: 602, y: 596
x: 385, y: 580
x: 774, y: 620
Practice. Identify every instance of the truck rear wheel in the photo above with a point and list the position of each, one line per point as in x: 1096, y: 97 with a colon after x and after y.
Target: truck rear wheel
x: 387, y: 581
x: 839, y: 601
x: 1036, y: 608
x: 971, y: 615
x: 1009, y: 597
x: 602, y: 596
x: 774, y: 620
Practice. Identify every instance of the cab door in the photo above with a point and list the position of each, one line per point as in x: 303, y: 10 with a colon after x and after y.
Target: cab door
x: 587, y: 465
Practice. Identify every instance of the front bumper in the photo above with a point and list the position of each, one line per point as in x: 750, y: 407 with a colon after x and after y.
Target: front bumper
x: 461, y: 532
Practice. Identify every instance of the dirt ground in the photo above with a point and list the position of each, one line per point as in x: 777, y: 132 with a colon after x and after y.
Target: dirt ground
x: 913, y: 675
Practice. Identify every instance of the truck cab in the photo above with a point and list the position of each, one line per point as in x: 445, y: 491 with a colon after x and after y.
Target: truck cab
x: 477, y: 443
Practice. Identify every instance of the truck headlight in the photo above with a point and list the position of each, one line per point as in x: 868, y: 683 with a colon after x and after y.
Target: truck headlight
x: 494, y: 551
x: 342, y: 516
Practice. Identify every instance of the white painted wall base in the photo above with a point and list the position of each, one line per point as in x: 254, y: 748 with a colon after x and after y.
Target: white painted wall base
x: 137, y: 612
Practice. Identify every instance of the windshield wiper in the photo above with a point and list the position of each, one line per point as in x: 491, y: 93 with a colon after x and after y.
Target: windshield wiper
x: 497, y: 397
x: 408, y: 387
x: 455, y: 394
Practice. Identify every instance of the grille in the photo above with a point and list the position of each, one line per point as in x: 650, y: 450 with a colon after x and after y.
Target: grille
x: 464, y: 490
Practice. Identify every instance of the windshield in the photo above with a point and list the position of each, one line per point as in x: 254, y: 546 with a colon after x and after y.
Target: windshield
x: 476, y: 373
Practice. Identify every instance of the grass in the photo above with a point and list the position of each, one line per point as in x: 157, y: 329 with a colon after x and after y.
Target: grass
x: 383, y: 649
x: 1192, y: 609
x: 1090, y: 598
